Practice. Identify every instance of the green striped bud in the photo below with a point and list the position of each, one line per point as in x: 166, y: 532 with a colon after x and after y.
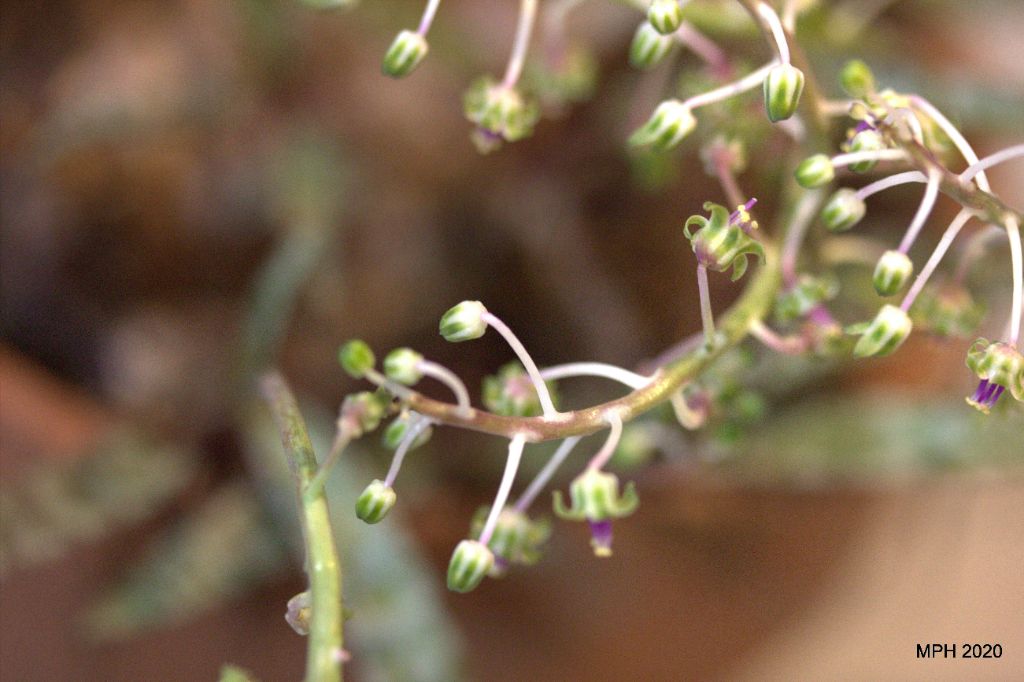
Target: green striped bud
x: 470, y: 562
x: 406, y: 52
x: 375, y: 502
x: 356, y: 358
x: 843, y: 210
x: 403, y: 365
x: 892, y: 272
x: 399, y: 426
x: 665, y: 15
x: 856, y: 79
x: 884, y: 334
x: 516, y: 538
x: 815, y: 171
x: 670, y: 123
x: 464, y: 322
x: 648, y: 47
x: 782, y: 89
x: 865, y: 141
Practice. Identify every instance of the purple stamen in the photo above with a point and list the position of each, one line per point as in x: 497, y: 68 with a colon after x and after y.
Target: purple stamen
x: 601, y: 537
x: 735, y: 215
x: 987, y: 395
x: 862, y: 126
x: 979, y: 393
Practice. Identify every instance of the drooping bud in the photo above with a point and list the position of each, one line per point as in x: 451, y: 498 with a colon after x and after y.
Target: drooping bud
x: 499, y: 112
x: 356, y: 358
x: 670, y: 123
x: 516, y: 538
x: 375, y: 502
x: 808, y: 292
x: 406, y: 52
x: 843, y: 210
x: 999, y: 366
x: 470, y: 562
x: 362, y: 412
x: 865, y: 141
x: 782, y: 88
x: 947, y: 309
x: 402, y: 365
x: 665, y: 15
x: 400, y: 425
x: 648, y: 47
x: 511, y: 393
x: 884, y: 334
x: 815, y: 171
x: 856, y: 79
x: 464, y: 322
x: 892, y: 272
x: 721, y: 243
x: 595, y: 498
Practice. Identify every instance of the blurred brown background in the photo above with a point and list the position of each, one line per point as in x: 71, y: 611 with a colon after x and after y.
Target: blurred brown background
x: 192, y: 191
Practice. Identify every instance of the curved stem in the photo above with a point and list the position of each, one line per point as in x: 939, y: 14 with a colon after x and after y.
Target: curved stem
x: 531, y: 367
x: 515, y: 453
x: 748, y: 82
x: 953, y: 134
x: 992, y: 160
x: 891, y: 181
x: 449, y: 379
x: 706, y: 317
x: 872, y: 155
x: 931, y: 192
x: 545, y: 474
x: 594, y: 369
x: 1017, y: 263
x: 771, y: 19
x: 428, y: 17
x: 527, y: 15
x: 610, y: 443
x: 787, y: 345
x: 394, y: 388
x: 940, y: 250
x: 417, y: 424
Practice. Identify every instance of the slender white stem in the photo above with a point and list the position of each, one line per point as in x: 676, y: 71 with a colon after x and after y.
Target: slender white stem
x: 341, y: 440
x: 953, y: 134
x: 933, y: 262
x: 836, y: 107
x: 394, y: 388
x: 788, y: 345
x: 701, y: 45
x: 595, y: 369
x: 748, y: 82
x: 545, y: 474
x: 803, y: 216
x: 531, y: 367
x: 789, y: 13
x: 891, y: 181
x: 1017, y: 263
x: 515, y: 453
x: 706, y: 317
x: 775, y: 26
x: 992, y: 160
x: 610, y: 443
x: 428, y: 17
x: 873, y: 155
x: 449, y: 379
x: 931, y: 192
x: 416, y: 425
x: 688, y: 417
x: 527, y: 15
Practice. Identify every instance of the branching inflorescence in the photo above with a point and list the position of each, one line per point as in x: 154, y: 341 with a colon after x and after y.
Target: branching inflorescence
x: 903, y: 134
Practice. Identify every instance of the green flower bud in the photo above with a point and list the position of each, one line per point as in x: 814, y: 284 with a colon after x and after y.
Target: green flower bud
x: 516, y: 538
x: 356, y: 358
x: 808, y: 292
x: 595, y: 498
x: 405, y: 54
x: 399, y: 426
x: 815, y: 171
x: 500, y: 113
x: 665, y: 15
x: 511, y: 393
x: 721, y: 242
x: 782, y: 89
x: 362, y: 412
x: 856, y: 79
x: 375, y: 502
x: 402, y: 365
x: 648, y: 47
x: 999, y: 366
x: 947, y: 309
x: 865, y: 141
x: 843, y: 210
x: 884, y: 334
x: 670, y: 123
x: 892, y: 272
x: 470, y: 562
x: 464, y: 322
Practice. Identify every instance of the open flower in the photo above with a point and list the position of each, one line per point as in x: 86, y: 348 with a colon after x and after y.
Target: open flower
x: 724, y: 241
x: 500, y: 113
x: 596, y: 499
x: 999, y: 366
